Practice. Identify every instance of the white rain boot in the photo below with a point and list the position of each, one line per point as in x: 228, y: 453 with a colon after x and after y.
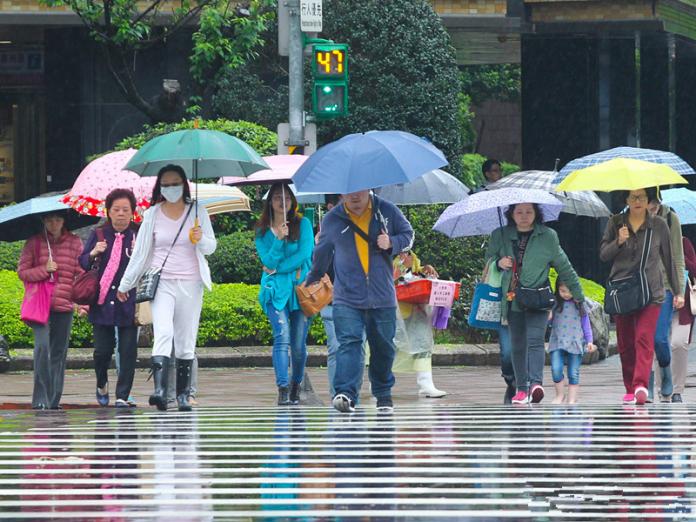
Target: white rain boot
x: 426, y: 386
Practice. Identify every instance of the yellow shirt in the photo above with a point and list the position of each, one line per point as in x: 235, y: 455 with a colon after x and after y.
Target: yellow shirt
x: 363, y: 222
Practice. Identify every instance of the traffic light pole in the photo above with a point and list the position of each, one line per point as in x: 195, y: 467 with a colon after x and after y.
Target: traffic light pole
x: 296, y: 77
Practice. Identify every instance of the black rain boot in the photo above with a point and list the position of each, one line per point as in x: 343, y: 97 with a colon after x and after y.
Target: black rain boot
x: 160, y: 366
x: 283, y: 396
x: 295, y: 393
x: 183, y: 383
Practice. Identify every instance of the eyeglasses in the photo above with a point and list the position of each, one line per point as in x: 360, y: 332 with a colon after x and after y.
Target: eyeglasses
x: 637, y: 198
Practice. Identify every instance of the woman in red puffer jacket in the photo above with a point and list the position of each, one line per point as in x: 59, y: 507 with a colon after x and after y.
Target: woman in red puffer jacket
x: 51, y: 339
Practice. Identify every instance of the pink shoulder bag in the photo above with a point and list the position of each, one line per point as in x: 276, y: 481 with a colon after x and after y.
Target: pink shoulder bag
x: 36, y: 306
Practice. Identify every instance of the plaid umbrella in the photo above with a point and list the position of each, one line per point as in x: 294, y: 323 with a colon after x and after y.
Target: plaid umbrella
x: 651, y: 155
x: 584, y: 203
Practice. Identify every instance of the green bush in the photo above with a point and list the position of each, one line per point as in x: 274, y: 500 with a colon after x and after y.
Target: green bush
x: 19, y: 335
x: 235, y: 259
x: 260, y: 138
x: 471, y: 169
x: 9, y: 254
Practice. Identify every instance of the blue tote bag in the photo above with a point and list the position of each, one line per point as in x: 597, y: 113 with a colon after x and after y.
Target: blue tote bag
x: 486, y: 303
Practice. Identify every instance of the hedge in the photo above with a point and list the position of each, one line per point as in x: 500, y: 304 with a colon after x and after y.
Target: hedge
x: 9, y: 254
x: 231, y: 316
x: 235, y: 260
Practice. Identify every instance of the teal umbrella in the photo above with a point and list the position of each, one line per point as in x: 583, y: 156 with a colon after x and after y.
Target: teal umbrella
x: 201, y: 153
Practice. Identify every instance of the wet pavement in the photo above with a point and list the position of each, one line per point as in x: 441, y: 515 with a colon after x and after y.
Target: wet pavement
x: 237, y: 457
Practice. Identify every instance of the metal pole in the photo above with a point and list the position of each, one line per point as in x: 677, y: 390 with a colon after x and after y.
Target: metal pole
x: 636, y: 55
x: 296, y: 80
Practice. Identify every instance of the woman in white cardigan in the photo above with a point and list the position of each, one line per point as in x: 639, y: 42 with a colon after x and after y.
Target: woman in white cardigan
x: 170, y: 238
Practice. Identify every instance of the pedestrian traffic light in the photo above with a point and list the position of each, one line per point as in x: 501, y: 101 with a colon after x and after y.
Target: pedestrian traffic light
x: 330, y: 73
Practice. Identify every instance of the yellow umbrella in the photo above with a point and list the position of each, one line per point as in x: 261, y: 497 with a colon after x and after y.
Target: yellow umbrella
x: 620, y: 174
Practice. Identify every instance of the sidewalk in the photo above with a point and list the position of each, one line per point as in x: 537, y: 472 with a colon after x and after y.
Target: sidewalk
x: 260, y: 357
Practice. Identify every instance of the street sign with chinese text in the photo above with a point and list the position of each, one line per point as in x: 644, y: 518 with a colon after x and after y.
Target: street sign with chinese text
x: 310, y: 16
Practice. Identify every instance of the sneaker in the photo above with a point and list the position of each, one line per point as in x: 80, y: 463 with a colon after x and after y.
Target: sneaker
x: 131, y: 402
x: 343, y: 403
x: 520, y: 397
x: 103, y: 398
x: 537, y: 393
x: 641, y: 395
x: 192, y: 400
x: 629, y: 398
x: 676, y: 397
x: 385, y: 405
x: 120, y: 403
x: 665, y: 398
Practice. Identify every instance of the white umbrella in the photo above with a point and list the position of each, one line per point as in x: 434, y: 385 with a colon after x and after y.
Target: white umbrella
x: 437, y: 186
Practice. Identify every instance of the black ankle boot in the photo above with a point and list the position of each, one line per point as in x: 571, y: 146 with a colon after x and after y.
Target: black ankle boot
x: 183, y: 383
x: 160, y: 367
x: 283, y: 396
x: 295, y: 393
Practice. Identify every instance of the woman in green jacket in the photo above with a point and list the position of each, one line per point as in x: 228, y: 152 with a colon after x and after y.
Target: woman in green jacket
x: 527, y: 247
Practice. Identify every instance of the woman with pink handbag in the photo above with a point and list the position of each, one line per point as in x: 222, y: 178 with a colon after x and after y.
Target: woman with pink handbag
x: 48, y: 266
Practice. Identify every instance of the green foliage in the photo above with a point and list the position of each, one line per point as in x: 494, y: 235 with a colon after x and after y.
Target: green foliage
x: 9, y: 254
x: 235, y: 259
x: 403, y: 71
x: 466, y: 123
x: 260, y: 138
x: 593, y: 290
x: 471, y: 169
x: 484, y: 82
x: 225, y: 39
x: 16, y: 333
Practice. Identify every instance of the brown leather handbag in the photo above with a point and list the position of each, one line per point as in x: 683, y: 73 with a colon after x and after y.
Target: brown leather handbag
x: 316, y: 296
x: 85, y: 289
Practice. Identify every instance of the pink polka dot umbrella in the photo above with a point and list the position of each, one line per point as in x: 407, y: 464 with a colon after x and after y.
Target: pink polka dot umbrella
x: 103, y: 175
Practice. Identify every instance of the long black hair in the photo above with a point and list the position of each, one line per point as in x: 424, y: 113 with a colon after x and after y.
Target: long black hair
x: 560, y: 301
x: 538, y: 213
x: 266, y: 219
x: 157, y: 191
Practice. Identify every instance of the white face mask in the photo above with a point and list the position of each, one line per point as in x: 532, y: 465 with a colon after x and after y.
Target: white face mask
x: 172, y: 194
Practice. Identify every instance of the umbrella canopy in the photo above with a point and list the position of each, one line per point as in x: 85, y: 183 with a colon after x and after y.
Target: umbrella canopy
x: 437, y: 186
x: 100, y: 177
x: 23, y: 220
x: 482, y: 213
x: 201, y: 153
x: 585, y: 203
x: 363, y: 161
x: 683, y: 202
x: 218, y: 199
x: 621, y: 174
x: 653, y: 156
x: 282, y: 168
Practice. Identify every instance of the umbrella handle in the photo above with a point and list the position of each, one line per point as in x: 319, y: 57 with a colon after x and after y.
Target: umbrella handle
x: 196, y: 223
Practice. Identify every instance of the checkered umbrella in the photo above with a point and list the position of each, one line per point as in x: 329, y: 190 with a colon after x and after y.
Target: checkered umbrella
x: 584, y: 203
x: 653, y: 156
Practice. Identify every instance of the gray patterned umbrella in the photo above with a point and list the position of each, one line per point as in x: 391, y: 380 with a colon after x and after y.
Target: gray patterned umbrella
x: 584, y: 203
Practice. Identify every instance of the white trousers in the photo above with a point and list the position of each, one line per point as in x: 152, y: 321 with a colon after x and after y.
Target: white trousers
x: 176, y: 311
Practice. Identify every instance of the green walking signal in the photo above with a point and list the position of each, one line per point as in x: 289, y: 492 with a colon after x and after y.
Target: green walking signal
x: 330, y: 73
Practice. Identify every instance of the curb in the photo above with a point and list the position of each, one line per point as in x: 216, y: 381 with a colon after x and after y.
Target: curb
x: 260, y: 357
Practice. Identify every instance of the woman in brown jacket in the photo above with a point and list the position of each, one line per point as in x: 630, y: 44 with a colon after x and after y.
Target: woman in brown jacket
x: 622, y: 245
x: 51, y: 339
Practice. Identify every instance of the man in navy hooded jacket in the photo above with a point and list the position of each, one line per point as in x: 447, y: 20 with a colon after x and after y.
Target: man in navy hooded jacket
x: 364, y: 296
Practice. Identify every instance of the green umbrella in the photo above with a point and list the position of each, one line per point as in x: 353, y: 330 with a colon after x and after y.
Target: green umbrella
x: 201, y: 153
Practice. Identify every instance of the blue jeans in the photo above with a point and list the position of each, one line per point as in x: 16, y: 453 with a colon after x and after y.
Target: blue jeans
x: 663, y: 350
x: 506, y: 355
x: 561, y: 358
x: 380, y: 326
x: 289, y: 334
x: 332, y: 349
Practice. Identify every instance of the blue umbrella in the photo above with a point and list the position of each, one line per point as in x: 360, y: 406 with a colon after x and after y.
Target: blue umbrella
x: 363, y: 161
x: 654, y: 156
x: 683, y: 202
x: 23, y: 220
x: 482, y: 213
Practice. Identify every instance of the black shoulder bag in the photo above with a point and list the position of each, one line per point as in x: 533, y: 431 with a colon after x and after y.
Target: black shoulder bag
x: 626, y: 295
x: 540, y: 299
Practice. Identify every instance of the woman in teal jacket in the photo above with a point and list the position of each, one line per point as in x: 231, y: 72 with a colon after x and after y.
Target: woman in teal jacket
x: 531, y: 247
x: 284, y: 242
